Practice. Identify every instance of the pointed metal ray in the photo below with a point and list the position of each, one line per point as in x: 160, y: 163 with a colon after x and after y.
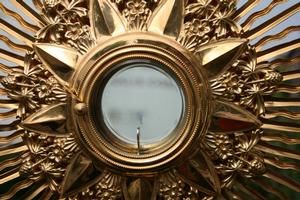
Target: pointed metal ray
x: 14, y: 46
x: 242, y: 11
x: 20, y: 4
x: 265, y: 40
x: 11, y: 137
x: 13, y: 162
x: 280, y: 138
x: 202, y: 173
x: 255, y: 16
x: 277, y: 50
x: 139, y: 189
x: 11, y: 57
x: 282, y: 164
x: 283, y: 180
x: 10, y: 29
x: 80, y: 174
x: 50, y: 120
x: 106, y: 19
x: 19, y: 19
x: 287, y: 76
x: 286, y: 114
x: 9, y: 175
x: 228, y: 117
x: 189, y: 176
x: 278, y: 151
x: 168, y: 18
x: 58, y: 59
x: 217, y: 57
x: 274, y: 21
x: 16, y: 188
x: 12, y: 149
x: 285, y: 62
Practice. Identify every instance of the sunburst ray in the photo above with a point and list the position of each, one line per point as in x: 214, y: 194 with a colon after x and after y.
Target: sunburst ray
x: 16, y: 188
x: 254, y: 194
x: 242, y: 11
x: 280, y: 138
x: 13, y: 149
x: 291, y: 75
x: 282, y: 113
x: 284, y: 127
x: 270, y: 189
x: 19, y: 19
x: 278, y: 50
x: 13, y: 162
x: 26, y: 9
x: 14, y: 46
x: 281, y: 102
x: 12, y: 137
x: 33, y: 192
x: 11, y: 57
x: 278, y: 151
x: 271, y: 38
x: 287, y: 62
x: 46, y: 195
x: 271, y: 23
x: 15, y: 32
x: 246, y: 25
x: 282, y: 164
x: 9, y: 175
x: 6, y: 69
x: 283, y: 180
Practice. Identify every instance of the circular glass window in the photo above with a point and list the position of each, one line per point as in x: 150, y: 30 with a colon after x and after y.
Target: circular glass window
x: 142, y: 104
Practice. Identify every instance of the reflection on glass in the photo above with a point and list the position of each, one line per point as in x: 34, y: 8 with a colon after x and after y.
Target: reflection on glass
x: 141, y: 100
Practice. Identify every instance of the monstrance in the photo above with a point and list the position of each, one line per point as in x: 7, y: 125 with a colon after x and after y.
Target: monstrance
x: 137, y: 100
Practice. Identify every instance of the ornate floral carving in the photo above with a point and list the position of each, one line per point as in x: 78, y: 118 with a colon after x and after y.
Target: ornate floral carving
x: 137, y: 14
x: 171, y: 187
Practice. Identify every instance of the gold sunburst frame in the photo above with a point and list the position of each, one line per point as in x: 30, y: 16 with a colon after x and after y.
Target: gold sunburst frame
x: 230, y: 120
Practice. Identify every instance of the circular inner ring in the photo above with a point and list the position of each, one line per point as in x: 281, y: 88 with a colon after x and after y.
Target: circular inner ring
x: 169, y: 60
x: 141, y: 104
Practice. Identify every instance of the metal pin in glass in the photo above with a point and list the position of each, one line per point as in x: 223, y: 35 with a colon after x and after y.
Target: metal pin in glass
x: 138, y: 134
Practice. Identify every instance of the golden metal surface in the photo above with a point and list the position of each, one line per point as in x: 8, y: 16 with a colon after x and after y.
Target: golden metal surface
x: 15, y: 15
x: 22, y: 36
x: 266, y: 26
x: 226, y: 144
